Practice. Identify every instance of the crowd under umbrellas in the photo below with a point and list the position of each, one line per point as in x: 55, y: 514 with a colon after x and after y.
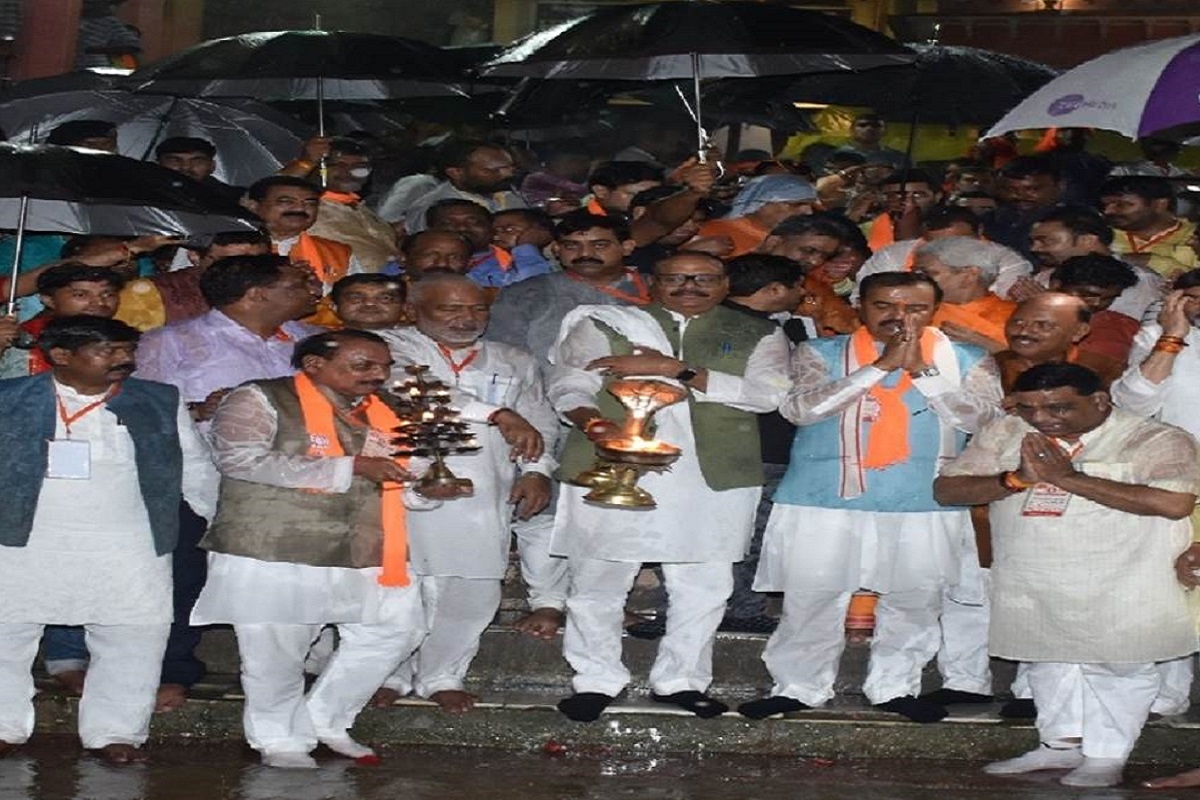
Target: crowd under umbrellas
x: 697, y: 63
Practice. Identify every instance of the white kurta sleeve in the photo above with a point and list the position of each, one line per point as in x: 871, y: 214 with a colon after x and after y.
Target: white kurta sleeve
x: 532, y: 404
x: 242, y: 435
x: 763, y: 385
x: 568, y: 384
x: 200, y: 476
x: 814, y: 396
x: 968, y: 406
x: 1133, y: 391
x: 985, y: 453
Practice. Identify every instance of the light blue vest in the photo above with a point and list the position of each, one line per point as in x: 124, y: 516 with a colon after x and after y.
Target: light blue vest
x: 812, y: 477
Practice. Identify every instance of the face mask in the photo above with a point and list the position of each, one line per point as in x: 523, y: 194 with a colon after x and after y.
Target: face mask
x: 361, y: 172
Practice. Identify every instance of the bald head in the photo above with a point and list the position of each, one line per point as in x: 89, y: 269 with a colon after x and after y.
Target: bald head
x: 450, y: 309
x: 1044, y: 327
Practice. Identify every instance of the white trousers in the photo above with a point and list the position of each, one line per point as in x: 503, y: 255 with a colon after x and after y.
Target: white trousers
x: 278, y: 717
x: 804, y: 653
x: 963, y: 658
x: 1105, y: 705
x: 457, y: 612
x: 1175, y: 686
x: 118, y: 695
x: 545, y: 575
x: 696, y: 596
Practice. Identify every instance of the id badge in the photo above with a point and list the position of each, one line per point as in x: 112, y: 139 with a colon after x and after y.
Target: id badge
x: 870, y: 409
x: 1045, y: 500
x: 378, y: 445
x: 70, y: 459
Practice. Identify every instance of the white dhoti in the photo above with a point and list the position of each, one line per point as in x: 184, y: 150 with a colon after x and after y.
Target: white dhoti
x: 696, y: 595
x: 118, y: 697
x: 457, y: 612
x: 277, y: 610
x: 545, y: 575
x: 1104, y: 704
x: 818, y: 557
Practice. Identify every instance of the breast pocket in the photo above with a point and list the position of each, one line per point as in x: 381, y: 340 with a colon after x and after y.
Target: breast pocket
x: 491, y: 388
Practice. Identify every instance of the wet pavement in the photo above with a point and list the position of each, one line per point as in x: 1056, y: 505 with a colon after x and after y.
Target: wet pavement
x: 52, y: 768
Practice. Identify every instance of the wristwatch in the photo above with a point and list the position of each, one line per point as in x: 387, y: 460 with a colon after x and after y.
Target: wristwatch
x: 686, y: 374
x: 927, y: 372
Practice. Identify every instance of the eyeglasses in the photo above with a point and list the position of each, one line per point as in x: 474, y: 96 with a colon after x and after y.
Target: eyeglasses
x: 681, y: 279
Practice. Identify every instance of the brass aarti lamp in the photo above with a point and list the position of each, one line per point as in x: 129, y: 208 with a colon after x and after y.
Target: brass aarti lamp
x: 623, y: 459
x: 430, y: 427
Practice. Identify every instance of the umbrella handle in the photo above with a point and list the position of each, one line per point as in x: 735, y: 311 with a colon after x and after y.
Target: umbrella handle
x: 22, y: 216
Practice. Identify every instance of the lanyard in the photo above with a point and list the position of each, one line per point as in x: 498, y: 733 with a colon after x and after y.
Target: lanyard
x: 67, y: 419
x: 457, y: 366
x: 641, y: 298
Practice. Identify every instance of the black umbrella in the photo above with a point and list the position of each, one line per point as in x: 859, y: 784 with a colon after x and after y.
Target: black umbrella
x: 697, y: 40
x: 70, y: 190
x: 304, y: 65
x: 946, y: 84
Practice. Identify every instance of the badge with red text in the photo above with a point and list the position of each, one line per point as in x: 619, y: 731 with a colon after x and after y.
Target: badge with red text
x: 1045, y: 500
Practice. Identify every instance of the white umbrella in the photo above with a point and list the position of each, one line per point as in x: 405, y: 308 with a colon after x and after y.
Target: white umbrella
x: 1135, y: 91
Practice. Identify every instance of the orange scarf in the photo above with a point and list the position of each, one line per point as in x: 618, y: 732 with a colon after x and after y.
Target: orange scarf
x: 344, y: 198
x: 593, y: 207
x: 986, y: 316
x: 887, y: 437
x: 883, y: 232
x: 503, y: 258
x: 318, y: 414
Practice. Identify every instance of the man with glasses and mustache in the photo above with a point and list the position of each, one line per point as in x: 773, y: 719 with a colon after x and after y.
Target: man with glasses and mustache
x: 85, y: 435
x: 732, y: 367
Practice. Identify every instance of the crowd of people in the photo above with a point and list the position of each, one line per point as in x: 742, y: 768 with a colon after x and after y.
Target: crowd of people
x: 956, y: 390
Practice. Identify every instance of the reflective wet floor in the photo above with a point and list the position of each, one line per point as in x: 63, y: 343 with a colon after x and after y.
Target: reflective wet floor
x: 52, y: 768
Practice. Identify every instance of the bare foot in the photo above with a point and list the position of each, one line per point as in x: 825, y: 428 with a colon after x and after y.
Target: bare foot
x: 1181, y: 781
x: 71, y: 680
x: 453, y: 701
x: 383, y: 698
x: 120, y: 755
x: 8, y: 748
x: 541, y: 623
x: 171, y: 697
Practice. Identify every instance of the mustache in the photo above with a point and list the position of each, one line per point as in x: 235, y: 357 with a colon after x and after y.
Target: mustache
x: 125, y: 368
x: 586, y: 260
x: 300, y: 214
x: 688, y: 293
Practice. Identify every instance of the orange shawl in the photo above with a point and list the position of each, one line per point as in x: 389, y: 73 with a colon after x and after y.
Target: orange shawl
x: 887, y: 438
x: 318, y: 414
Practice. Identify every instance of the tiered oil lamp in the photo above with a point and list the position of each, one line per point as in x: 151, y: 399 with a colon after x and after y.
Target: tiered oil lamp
x: 623, y: 459
x: 430, y: 427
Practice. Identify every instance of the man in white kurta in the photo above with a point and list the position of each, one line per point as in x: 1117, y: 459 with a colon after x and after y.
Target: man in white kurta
x: 301, y: 540
x: 108, y: 569
x: 705, y: 502
x: 844, y: 521
x: 1089, y: 615
x: 461, y: 550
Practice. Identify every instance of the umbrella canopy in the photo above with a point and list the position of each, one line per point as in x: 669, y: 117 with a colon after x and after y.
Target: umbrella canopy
x: 304, y: 65
x: 252, y: 139
x: 1136, y: 91
x: 71, y: 190
x: 656, y: 41
x: 951, y: 85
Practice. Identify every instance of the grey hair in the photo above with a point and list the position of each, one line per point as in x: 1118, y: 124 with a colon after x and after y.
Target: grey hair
x: 424, y: 283
x: 961, y: 252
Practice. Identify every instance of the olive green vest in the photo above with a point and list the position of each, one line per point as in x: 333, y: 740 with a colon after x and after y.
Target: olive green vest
x: 272, y: 523
x: 727, y: 444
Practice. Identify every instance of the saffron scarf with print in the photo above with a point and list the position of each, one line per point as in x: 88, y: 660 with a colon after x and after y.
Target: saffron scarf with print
x: 323, y: 442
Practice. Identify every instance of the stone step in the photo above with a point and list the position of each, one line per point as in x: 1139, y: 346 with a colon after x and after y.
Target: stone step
x: 512, y: 662
x: 637, y: 727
